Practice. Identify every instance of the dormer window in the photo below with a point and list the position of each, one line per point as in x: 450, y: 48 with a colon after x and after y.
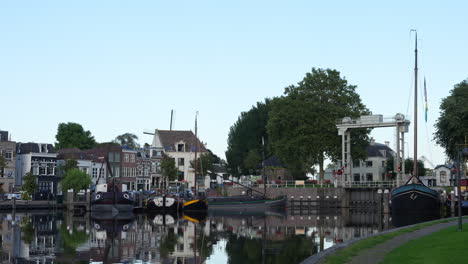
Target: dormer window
x: 180, y: 147
x: 44, y: 148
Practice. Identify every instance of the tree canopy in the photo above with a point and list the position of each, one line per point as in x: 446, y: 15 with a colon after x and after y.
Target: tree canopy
x: 452, y: 125
x: 72, y: 135
x: 204, y: 163
x: 169, y: 169
x: 302, y: 124
x: 76, y: 180
x: 127, y: 139
x: 246, y: 136
x: 29, y: 183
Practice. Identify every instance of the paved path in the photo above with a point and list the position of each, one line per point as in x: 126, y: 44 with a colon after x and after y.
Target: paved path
x: 378, y: 253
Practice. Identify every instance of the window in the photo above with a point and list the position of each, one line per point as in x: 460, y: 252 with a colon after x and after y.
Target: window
x: 146, y: 171
x: 180, y: 161
x: 180, y: 147
x: 35, y: 170
x: 126, y: 158
x: 111, y: 157
x: 42, y: 170
x: 132, y: 158
x: 124, y: 172
x: 369, y: 163
x: 116, y: 157
x: 95, y: 170
x: 9, y: 155
x: 116, y: 171
x: 153, y: 167
x: 50, y: 169
x: 356, y: 177
x: 369, y: 177
x: 443, y: 177
x: 383, y: 164
x: 356, y: 164
x: 45, y: 186
x: 85, y: 170
x: 158, y: 153
x: 101, y: 172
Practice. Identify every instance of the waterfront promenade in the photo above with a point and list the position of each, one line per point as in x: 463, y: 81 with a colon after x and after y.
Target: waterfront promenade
x: 374, y: 249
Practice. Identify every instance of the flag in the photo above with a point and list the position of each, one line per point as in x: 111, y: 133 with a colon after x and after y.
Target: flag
x: 425, y: 98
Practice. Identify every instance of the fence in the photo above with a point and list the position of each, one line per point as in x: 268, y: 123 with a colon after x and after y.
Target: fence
x: 313, y: 184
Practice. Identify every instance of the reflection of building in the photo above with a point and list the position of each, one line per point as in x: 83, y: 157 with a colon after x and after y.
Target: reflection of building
x: 40, y: 160
x: 8, y: 151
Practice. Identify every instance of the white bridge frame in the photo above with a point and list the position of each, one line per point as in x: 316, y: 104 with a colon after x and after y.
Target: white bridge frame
x: 371, y: 121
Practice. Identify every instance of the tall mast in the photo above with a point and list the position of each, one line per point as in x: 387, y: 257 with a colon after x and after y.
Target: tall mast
x: 196, y: 160
x: 415, y: 165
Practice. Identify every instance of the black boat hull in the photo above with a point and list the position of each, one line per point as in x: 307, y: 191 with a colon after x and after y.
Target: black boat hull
x: 163, y: 204
x: 414, y: 203
x: 110, y: 201
x: 195, y: 205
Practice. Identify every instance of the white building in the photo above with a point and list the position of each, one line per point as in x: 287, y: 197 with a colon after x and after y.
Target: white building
x: 180, y: 145
x: 443, y: 175
x: 40, y: 160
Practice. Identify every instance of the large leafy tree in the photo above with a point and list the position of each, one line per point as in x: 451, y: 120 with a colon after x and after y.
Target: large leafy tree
x: 302, y: 123
x: 452, y: 125
x: 252, y: 161
x: 72, y: 135
x: 76, y: 180
x: 246, y: 135
x: 127, y: 139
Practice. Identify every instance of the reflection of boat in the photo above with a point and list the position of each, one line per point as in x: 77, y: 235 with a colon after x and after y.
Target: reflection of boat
x: 246, y: 203
x: 112, y: 215
x: 415, y: 198
x: 164, y: 219
x: 163, y: 203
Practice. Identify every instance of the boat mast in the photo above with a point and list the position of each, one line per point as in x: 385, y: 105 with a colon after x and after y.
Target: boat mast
x: 196, y: 160
x: 415, y: 165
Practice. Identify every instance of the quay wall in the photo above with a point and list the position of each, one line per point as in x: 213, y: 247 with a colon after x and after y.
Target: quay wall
x: 336, y: 197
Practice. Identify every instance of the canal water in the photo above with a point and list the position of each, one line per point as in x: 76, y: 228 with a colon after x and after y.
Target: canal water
x: 273, y: 237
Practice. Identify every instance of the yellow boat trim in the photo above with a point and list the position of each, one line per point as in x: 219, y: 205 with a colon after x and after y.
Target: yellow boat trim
x: 190, y: 202
x: 191, y: 219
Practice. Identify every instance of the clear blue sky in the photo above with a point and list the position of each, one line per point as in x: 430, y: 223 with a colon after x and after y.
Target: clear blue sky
x: 121, y: 66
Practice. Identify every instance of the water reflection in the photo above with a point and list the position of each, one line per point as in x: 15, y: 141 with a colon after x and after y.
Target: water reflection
x: 214, y: 238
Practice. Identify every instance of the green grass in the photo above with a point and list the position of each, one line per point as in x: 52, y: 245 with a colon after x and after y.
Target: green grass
x: 344, y: 255
x: 444, y: 246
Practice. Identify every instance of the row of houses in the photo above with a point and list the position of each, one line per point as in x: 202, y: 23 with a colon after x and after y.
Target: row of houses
x: 137, y: 169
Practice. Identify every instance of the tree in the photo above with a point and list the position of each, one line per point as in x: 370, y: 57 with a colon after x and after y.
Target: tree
x: 128, y: 140
x: 76, y: 180
x: 69, y: 164
x: 204, y: 164
x: 302, y: 124
x: 29, y: 184
x: 169, y: 170
x: 246, y: 135
x: 252, y: 161
x: 452, y: 125
x: 72, y: 135
x: 409, y: 166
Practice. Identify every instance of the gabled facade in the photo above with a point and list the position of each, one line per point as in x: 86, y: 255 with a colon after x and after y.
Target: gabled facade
x: 443, y: 175
x: 180, y: 145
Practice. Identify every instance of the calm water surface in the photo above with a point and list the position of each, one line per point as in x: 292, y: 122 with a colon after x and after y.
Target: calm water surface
x: 149, y: 238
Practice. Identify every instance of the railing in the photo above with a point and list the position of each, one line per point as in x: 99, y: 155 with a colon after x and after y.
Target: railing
x: 370, y: 184
x: 309, y: 184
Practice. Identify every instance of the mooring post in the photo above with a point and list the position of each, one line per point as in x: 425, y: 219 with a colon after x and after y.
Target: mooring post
x: 386, y: 201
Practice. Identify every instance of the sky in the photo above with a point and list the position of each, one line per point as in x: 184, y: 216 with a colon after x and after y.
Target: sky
x: 121, y: 66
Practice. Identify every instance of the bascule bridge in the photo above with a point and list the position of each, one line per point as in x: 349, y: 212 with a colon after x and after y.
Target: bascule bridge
x: 345, y: 127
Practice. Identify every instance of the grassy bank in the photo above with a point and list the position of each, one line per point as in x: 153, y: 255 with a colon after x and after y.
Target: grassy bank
x: 344, y: 255
x: 444, y: 246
